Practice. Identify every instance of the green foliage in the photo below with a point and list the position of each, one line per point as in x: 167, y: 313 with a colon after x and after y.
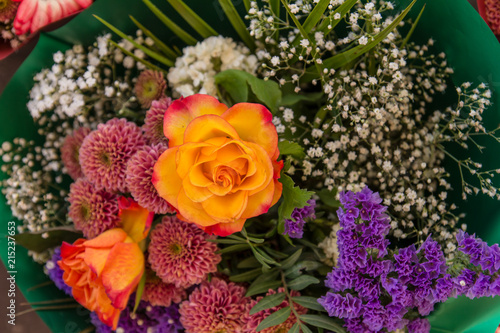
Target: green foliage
x: 308, y: 302
x: 46, y: 239
x: 237, y: 22
x: 195, y: 21
x: 291, y: 148
x: 140, y: 291
x: 323, y: 322
x: 268, y: 302
x: 275, y: 318
x: 236, y: 85
x: 328, y: 197
x: 293, y: 197
x: 302, y: 282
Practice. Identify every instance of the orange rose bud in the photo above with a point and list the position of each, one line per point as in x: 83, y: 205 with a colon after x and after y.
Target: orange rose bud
x: 103, y: 272
x: 221, y: 167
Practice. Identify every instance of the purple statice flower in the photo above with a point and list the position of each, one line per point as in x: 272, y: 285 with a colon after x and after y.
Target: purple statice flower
x: 147, y: 318
x: 56, y: 273
x: 419, y: 325
x: 336, y: 305
x: 480, y: 254
x: 480, y: 287
x: 464, y: 281
x: 295, y: 227
x: 375, y: 315
x: 444, y: 288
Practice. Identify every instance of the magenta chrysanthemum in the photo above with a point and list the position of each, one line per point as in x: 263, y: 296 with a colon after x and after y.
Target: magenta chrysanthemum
x: 70, y: 151
x: 180, y: 253
x: 139, y: 173
x: 158, y: 293
x: 150, y: 86
x: 153, y: 124
x: 93, y: 211
x: 8, y: 9
x: 215, y: 306
x: 105, y: 152
x: 255, y: 319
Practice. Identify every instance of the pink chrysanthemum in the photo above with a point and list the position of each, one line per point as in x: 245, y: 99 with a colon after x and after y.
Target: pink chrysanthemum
x: 153, y: 124
x: 105, y: 152
x: 93, y: 211
x: 255, y: 319
x: 215, y: 306
x: 8, y: 9
x: 150, y: 86
x: 158, y: 293
x: 180, y: 253
x: 139, y: 173
x: 70, y: 151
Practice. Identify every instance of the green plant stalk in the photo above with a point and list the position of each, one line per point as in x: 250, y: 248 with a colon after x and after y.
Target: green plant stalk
x: 196, y: 22
x: 237, y: 22
x: 171, y: 54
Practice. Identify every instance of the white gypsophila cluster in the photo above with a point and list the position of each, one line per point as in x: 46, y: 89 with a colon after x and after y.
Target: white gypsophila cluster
x: 374, y: 126
x: 8, y: 34
x: 288, y: 59
x: 31, y: 193
x: 195, y: 70
x: 330, y: 247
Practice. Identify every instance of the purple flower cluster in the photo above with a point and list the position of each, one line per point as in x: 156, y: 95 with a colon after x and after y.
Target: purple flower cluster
x: 295, y: 227
x: 147, y: 318
x: 56, y: 273
x: 372, y: 289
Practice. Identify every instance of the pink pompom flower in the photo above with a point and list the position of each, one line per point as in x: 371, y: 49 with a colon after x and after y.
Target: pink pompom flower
x: 70, y: 152
x: 180, y: 253
x: 153, y: 124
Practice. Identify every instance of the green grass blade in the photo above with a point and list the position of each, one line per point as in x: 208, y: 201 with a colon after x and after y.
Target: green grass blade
x: 330, y: 23
x: 346, y: 57
x: 275, y: 7
x: 186, y: 38
x: 413, y: 27
x: 145, y: 62
x: 316, y: 14
x: 296, y: 22
x: 196, y: 22
x: 237, y: 22
x: 144, y: 49
x: 247, y: 5
x: 158, y: 43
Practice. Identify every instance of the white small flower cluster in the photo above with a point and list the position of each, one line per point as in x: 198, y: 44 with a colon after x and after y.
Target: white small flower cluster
x: 194, y: 71
x: 330, y: 247
x: 8, y: 33
x: 32, y: 194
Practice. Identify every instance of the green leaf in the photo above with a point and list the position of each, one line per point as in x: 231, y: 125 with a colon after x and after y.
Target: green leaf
x: 196, y: 22
x: 308, y: 302
x: 247, y: 5
x: 299, y: 26
x: 226, y: 241
x: 274, y: 253
x: 157, y: 42
x: 414, y: 25
x: 323, y: 322
x: 346, y: 57
x: 302, y: 282
x: 136, y: 58
x: 291, y: 99
x: 330, y: 23
x: 46, y: 239
x: 295, y: 328
x: 250, y: 262
x: 315, y: 15
x: 236, y: 83
x: 260, y: 288
x: 178, y: 31
x: 139, y: 291
x: 237, y: 22
x: 290, y: 261
x: 266, y: 257
x: 234, y: 248
x: 144, y: 49
x: 247, y: 276
x: 274, y: 319
x: 259, y: 257
x: 268, y: 302
x: 305, y: 329
x: 291, y: 148
x: 293, y: 197
x: 328, y: 197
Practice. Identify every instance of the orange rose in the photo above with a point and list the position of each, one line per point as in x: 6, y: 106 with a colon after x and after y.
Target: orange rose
x: 220, y: 168
x: 105, y: 270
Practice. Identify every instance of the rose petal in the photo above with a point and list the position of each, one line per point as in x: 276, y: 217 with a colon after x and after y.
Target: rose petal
x: 260, y: 202
x: 225, y: 229
x: 195, y: 193
x: 253, y: 122
x: 228, y: 208
x: 122, y: 272
x: 182, y: 111
x: 209, y: 126
x: 107, y: 239
x: 165, y: 179
x: 134, y: 219
x: 193, y: 212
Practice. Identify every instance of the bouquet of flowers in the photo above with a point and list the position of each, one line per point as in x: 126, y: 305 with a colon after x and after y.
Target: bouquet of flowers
x: 299, y: 177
